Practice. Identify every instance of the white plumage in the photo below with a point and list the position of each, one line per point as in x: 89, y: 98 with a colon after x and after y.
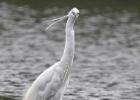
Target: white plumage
x: 51, y: 84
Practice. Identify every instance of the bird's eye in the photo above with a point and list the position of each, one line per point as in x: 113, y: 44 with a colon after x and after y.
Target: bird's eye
x: 73, y: 13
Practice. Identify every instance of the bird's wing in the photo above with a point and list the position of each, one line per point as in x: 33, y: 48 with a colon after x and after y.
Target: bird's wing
x: 48, y: 83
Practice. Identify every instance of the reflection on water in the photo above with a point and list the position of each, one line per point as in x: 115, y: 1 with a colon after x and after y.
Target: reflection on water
x: 106, y: 65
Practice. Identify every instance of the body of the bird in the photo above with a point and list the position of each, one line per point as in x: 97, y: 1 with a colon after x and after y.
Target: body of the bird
x: 49, y: 85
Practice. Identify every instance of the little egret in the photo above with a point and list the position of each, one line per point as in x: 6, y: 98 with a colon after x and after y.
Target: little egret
x: 50, y: 85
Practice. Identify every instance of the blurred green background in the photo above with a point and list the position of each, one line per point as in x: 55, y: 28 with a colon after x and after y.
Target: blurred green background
x: 103, y: 5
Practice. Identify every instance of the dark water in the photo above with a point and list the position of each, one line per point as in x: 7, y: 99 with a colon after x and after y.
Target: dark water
x: 107, y: 59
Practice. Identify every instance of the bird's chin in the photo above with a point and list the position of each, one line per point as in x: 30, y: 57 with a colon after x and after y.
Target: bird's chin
x: 73, y: 18
x: 77, y: 16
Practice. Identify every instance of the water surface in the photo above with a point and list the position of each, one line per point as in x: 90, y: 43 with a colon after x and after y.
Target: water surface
x: 106, y: 65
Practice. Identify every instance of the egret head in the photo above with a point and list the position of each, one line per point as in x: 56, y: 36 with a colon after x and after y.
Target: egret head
x: 74, y: 13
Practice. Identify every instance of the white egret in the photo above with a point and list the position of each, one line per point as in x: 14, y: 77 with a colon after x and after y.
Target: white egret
x: 51, y: 84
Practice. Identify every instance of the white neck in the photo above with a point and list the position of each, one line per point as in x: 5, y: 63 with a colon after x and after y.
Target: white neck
x: 68, y: 55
